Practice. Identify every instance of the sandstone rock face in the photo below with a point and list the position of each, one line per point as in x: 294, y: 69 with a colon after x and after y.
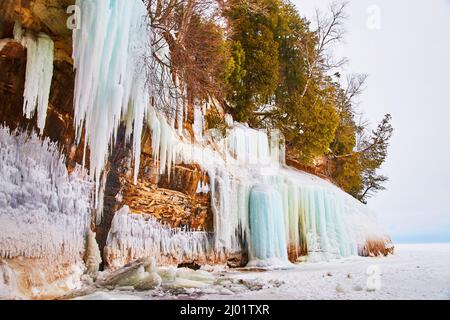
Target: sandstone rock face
x: 49, y: 16
x: 172, y: 201
x: 36, y: 278
x: 39, y: 15
x: 172, y: 208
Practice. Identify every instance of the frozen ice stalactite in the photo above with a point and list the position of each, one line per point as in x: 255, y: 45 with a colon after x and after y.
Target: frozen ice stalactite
x: 315, y: 217
x: 99, y: 207
x: 249, y: 146
x: 110, y: 85
x: 133, y: 236
x: 202, y: 187
x: 39, y: 73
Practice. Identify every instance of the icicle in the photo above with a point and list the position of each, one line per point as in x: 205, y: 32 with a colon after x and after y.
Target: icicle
x: 135, y: 236
x: 198, y: 125
x: 199, y: 187
x: 39, y: 73
x: 110, y: 85
x: 229, y: 120
x: 101, y: 196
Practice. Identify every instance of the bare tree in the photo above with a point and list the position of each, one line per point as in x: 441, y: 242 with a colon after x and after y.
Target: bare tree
x: 355, y: 86
x: 184, y: 57
x: 329, y: 31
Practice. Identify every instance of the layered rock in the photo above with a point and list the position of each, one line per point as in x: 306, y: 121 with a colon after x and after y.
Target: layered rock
x: 172, y: 208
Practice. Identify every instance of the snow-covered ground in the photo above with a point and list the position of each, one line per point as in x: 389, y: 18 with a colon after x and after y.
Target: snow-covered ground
x: 420, y: 271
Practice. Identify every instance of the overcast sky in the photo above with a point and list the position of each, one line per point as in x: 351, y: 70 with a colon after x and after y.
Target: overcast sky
x: 404, y: 47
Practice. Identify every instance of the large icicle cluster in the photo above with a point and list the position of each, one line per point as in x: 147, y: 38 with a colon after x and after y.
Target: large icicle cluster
x: 110, y: 86
x: 39, y: 73
x: 134, y: 236
x: 44, y: 211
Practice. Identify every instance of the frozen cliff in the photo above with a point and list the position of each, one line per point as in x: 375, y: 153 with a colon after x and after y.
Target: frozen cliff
x: 181, y: 196
x: 298, y: 212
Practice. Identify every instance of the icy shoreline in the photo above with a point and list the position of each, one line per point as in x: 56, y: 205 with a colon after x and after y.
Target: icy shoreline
x: 419, y: 271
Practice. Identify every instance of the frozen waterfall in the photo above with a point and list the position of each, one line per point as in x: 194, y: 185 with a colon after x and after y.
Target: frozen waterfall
x: 268, y: 235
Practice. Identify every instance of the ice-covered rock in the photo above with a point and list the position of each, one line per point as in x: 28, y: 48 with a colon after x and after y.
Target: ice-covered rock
x: 198, y: 275
x: 167, y: 274
x: 140, y: 275
x: 134, y: 236
x: 44, y: 215
x: 150, y: 282
x: 93, y: 258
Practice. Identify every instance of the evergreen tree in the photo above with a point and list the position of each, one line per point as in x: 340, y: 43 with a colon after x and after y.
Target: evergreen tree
x: 282, y: 75
x: 252, y: 36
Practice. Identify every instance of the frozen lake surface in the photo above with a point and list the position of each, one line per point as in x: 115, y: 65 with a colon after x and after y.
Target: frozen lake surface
x: 419, y: 271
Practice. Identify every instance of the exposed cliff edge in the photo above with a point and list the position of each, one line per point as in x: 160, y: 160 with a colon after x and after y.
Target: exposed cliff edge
x: 179, y: 194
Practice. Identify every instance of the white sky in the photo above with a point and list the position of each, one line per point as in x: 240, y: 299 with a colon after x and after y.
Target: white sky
x: 408, y: 63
